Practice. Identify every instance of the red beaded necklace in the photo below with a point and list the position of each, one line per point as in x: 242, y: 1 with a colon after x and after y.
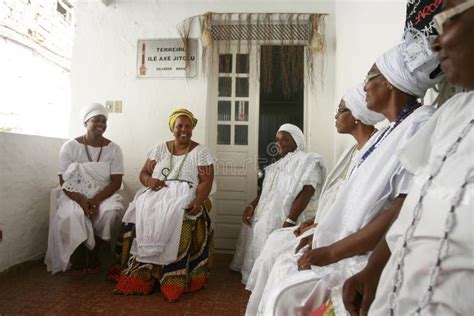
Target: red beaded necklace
x: 87, y: 149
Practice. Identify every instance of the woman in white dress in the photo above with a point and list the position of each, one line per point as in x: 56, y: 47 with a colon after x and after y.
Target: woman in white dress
x: 427, y: 256
x: 171, y: 239
x: 89, y: 209
x: 369, y: 200
x: 354, y: 118
x: 290, y: 184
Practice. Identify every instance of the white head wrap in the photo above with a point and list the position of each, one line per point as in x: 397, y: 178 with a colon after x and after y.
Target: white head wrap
x: 295, y: 132
x: 92, y: 110
x: 355, y: 99
x: 408, y: 67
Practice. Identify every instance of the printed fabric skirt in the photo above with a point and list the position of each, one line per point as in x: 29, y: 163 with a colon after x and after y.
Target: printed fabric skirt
x: 189, y: 273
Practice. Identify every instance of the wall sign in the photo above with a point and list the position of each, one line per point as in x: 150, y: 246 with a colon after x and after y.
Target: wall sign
x: 165, y: 58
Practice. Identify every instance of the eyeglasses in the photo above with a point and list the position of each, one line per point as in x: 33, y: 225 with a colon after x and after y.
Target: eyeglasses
x: 441, y: 18
x: 342, y: 110
x: 371, y: 76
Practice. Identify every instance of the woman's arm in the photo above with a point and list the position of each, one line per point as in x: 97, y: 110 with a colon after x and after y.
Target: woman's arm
x: 358, y: 291
x: 109, y: 190
x: 206, y: 177
x: 247, y: 214
x: 76, y: 197
x: 299, y: 204
x: 358, y: 243
x: 147, y: 180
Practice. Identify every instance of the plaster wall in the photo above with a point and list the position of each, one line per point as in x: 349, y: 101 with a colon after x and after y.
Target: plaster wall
x: 28, y: 171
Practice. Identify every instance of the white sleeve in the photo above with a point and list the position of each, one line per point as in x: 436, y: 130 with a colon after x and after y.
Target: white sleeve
x: 116, y: 165
x: 315, y: 173
x: 205, y: 157
x: 155, y: 153
x: 401, y: 182
x: 65, y: 158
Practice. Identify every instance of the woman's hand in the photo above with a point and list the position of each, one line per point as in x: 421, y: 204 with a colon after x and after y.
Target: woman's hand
x: 84, y: 204
x: 286, y: 224
x: 194, y: 207
x: 155, y: 184
x: 359, y: 290
x: 307, y: 224
x: 306, y: 241
x: 316, y: 257
x: 90, y: 210
x: 247, y: 215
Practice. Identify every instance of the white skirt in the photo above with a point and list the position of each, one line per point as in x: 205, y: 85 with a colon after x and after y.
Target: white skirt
x: 158, y: 218
x: 70, y: 227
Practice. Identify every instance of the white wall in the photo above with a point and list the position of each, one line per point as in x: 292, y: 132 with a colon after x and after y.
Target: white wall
x: 28, y: 171
x: 104, y: 68
x: 364, y: 30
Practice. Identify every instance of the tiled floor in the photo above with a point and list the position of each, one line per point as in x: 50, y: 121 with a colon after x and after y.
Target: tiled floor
x: 33, y: 291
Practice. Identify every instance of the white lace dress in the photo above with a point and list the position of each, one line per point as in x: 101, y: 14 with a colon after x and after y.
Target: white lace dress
x: 158, y: 215
x: 283, y: 181
x: 70, y: 227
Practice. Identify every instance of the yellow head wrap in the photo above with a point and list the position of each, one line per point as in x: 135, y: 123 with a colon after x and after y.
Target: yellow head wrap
x: 181, y: 112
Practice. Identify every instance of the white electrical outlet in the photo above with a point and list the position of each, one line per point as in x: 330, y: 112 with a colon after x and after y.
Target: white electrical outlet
x: 109, y: 106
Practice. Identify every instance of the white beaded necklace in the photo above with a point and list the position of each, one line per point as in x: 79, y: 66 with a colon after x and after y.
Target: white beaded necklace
x: 443, y: 243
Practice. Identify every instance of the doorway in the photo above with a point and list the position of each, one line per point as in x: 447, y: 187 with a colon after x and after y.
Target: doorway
x: 281, y: 101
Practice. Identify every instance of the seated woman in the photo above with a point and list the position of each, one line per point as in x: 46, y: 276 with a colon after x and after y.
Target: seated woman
x: 89, y: 210
x: 368, y: 201
x: 354, y: 118
x: 172, y: 236
x: 424, y: 265
x: 289, y: 185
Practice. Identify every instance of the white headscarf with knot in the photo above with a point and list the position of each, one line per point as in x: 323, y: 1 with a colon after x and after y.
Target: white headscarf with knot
x: 92, y: 110
x: 355, y: 99
x: 398, y: 67
x: 295, y: 132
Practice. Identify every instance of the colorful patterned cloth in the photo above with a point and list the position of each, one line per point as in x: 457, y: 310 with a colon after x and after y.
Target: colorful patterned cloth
x: 189, y: 273
x: 327, y: 309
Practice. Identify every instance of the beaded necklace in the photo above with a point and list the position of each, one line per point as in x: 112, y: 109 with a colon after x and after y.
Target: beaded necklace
x: 443, y: 242
x: 87, y: 149
x: 182, y: 161
x: 404, y: 113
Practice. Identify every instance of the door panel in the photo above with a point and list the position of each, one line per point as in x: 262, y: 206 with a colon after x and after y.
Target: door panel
x: 234, y: 136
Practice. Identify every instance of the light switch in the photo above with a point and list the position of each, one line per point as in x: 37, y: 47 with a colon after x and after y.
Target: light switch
x: 109, y: 106
x: 118, y: 106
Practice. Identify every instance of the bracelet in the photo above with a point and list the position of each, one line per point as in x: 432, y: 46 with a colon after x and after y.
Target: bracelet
x: 290, y: 221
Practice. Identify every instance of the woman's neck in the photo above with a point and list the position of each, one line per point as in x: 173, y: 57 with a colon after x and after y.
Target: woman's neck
x: 362, y: 134
x: 93, y: 140
x: 181, y: 146
x: 396, y: 104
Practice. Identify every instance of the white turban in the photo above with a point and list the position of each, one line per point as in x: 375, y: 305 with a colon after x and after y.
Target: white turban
x: 92, y: 110
x: 408, y: 68
x: 295, y: 132
x: 355, y: 99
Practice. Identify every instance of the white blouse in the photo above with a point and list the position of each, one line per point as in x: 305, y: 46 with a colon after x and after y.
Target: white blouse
x: 176, y: 168
x: 73, y: 151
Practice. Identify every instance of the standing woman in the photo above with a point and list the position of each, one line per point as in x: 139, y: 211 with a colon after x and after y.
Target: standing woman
x: 89, y: 210
x: 170, y: 230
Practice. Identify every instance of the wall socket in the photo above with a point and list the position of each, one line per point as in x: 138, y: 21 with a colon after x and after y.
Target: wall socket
x: 113, y: 106
x: 109, y: 106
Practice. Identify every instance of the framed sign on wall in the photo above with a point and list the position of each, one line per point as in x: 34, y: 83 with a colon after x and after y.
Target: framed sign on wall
x: 165, y: 58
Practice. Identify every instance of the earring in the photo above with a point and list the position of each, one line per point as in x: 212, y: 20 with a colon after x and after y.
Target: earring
x: 356, y: 122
